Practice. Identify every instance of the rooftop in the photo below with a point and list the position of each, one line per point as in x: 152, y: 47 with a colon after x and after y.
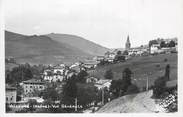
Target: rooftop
x: 103, y: 81
x: 8, y: 87
x: 34, y: 81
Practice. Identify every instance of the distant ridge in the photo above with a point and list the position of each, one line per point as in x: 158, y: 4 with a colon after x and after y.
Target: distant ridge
x: 80, y: 43
x: 50, y: 49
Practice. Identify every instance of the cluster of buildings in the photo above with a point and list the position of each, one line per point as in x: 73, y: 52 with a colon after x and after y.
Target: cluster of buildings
x: 55, y: 73
x: 143, y: 50
x: 158, y: 48
x: 52, y: 74
x: 128, y: 52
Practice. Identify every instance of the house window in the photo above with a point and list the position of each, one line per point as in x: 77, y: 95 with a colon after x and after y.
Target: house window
x: 6, y: 98
x: 30, y: 86
x: 40, y: 87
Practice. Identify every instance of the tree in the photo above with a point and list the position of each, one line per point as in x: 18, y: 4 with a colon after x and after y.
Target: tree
x: 167, y: 72
x: 162, y: 44
x: 159, y: 86
x: 119, y: 58
x: 115, y: 87
x: 108, y: 74
x: 152, y: 42
x: 50, y: 93
x: 31, y: 103
x: 70, y: 90
x: 81, y: 76
x: 18, y: 74
x: 172, y: 43
x: 103, y: 62
x: 86, y: 94
x: 127, y: 76
x: 119, y: 52
x: 118, y: 88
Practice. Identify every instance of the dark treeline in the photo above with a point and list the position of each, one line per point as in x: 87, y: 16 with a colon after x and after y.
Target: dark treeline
x: 23, y: 72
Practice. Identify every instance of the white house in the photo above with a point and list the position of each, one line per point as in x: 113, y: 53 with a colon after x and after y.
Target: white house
x: 11, y: 94
x: 55, y: 73
x: 90, y: 64
x: 91, y: 80
x: 100, y: 84
x: 154, y: 48
x: 32, y: 85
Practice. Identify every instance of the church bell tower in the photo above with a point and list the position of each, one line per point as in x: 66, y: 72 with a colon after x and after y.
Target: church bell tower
x: 128, y: 44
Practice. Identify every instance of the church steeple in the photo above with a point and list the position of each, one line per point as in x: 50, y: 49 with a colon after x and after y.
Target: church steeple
x: 127, y: 45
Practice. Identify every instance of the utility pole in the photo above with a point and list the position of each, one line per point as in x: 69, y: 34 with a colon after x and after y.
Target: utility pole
x: 147, y: 84
x: 102, y: 96
x: 76, y: 105
x: 21, y: 73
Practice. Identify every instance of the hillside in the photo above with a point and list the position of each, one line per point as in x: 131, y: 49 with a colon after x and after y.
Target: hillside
x: 142, y: 67
x: 80, y: 43
x: 136, y: 103
x: 40, y: 49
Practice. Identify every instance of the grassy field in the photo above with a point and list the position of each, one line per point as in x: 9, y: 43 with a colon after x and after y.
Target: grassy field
x: 142, y: 67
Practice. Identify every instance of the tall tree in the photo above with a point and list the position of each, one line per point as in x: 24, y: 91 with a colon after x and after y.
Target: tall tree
x: 127, y: 76
x: 118, y: 88
x: 81, y: 76
x: 167, y: 72
x: 70, y: 90
x: 159, y: 86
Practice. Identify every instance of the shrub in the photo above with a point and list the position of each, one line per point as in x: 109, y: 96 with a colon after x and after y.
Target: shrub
x: 165, y: 60
x: 159, y: 87
x: 108, y: 74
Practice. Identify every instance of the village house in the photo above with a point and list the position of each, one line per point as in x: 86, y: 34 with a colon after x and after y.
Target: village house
x: 99, y: 58
x: 71, y: 73
x: 77, y: 67
x: 32, y: 85
x: 154, y: 48
x: 11, y: 94
x: 91, y: 80
x: 89, y: 64
x: 110, y: 56
x: 55, y: 73
x: 103, y: 83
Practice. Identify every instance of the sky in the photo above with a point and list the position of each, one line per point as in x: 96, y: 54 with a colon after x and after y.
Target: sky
x: 106, y: 22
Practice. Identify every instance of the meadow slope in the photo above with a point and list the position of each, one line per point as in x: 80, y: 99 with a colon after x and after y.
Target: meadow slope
x: 142, y: 67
